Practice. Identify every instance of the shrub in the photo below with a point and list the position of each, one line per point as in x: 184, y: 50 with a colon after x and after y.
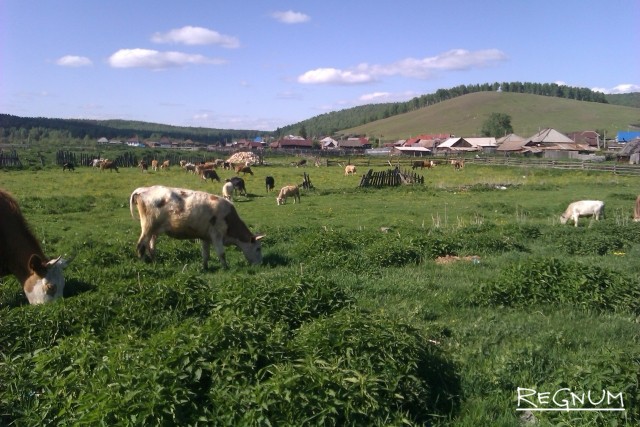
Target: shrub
x: 552, y: 281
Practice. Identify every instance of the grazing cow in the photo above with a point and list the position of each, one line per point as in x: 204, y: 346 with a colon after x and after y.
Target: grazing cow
x: 143, y: 165
x: 593, y: 208
x: 189, y: 214
x: 68, y: 166
x: 288, y: 191
x: 423, y: 164
x: 300, y: 162
x: 210, y: 174
x: 154, y: 165
x: 350, y: 170
x: 244, y: 169
x: 21, y: 256
x: 226, y: 166
x: 227, y: 190
x: 636, y: 210
x: 238, y: 184
x: 457, y: 164
x: 182, y: 163
x: 165, y: 165
x: 97, y: 162
x: 269, y: 183
x: 190, y: 168
x: 109, y: 164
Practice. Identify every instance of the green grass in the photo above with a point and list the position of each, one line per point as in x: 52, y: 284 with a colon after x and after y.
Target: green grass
x: 343, y: 324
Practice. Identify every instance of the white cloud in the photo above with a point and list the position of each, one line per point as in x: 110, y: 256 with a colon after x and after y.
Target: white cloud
x: 291, y: 17
x: 622, y: 88
x: 196, y: 36
x: 73, y: 61
x: 147, y: 58
x: 334, y: 76
x: 453, y: 60
x: 382, y: 97
x: 209, y: 119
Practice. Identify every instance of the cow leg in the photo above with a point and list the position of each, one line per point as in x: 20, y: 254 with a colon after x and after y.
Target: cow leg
x: 218, y: 245
x: 205, y: 254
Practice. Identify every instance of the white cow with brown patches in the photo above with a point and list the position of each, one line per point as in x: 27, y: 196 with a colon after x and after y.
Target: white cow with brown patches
x: 188, y: 214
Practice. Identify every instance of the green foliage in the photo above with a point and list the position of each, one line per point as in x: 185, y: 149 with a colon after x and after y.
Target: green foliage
x: 497, y: 125
x: 552, y: 281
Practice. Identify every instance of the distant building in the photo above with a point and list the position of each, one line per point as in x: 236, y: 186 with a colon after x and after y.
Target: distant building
x: 626, y: 136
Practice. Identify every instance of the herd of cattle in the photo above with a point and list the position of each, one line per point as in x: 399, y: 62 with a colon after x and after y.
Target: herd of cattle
x: 178, y: 213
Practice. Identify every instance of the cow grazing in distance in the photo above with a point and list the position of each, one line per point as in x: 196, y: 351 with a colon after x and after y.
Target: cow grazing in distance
x: 288, y: 191
x: 68, y: 166
x: 190, y: 168
x: 349, y: 170
x: 457, y: 164
x: 165, y: 165
x: 189, y: 214
x: 210, y: 174
x: 636, y: 210
x: 110, y: 165
x: 244, y: 169
x: 182, y: 163
x: 238, y: 184
x: 423, y: 164
x: 42, y: 278
x: 300, y: 162
x: 269, y: 183
x: 592, y: 208
x: 143, y: 165
x: 154, y: 165
x: 227, y: 190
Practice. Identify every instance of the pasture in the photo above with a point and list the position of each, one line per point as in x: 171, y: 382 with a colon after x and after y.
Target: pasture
x: 351, y: 319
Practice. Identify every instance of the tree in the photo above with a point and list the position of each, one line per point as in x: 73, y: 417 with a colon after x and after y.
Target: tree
x: 497, y: 125
x: 303, y: 131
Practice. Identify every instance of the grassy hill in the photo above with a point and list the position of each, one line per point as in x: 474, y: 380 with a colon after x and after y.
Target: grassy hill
x: 465, y: 115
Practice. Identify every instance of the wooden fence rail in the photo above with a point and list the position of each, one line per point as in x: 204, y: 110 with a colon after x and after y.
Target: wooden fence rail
x: 391, y: 177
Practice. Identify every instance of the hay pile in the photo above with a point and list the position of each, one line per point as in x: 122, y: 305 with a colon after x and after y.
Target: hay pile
x: 244, y: 157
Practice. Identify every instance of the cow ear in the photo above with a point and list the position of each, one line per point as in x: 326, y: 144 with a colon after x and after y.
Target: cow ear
x: 37, y: 265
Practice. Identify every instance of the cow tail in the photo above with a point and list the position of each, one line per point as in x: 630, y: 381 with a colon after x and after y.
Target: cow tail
x: 133, y: 200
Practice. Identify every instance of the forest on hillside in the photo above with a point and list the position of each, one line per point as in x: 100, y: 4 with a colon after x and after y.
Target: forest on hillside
x: 14, y: 129
x: 330, y: 123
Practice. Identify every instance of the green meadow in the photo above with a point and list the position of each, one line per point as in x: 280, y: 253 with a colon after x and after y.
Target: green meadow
x: 351, y: 319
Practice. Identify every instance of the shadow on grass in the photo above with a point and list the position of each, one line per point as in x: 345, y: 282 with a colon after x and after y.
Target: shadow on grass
x: 75, y: 287
x: 275, y: 260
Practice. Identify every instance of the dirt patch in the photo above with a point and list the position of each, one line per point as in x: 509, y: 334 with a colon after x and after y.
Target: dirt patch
x: 448, y: 259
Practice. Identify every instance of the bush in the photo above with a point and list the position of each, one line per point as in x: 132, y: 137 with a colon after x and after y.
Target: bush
x: 553, y: 281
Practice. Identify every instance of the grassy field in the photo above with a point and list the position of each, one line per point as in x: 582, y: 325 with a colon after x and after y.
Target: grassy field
x: 343, y: 324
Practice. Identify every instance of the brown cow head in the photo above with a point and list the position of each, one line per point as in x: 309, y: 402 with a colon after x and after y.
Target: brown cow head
x: 46, y: 282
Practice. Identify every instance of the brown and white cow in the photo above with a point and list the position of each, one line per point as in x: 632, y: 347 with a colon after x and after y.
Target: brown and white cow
x: 188, y: 214
x: 165, y: 165
x: 288, y: 191
x: 110, y: 165
x: 154, y: 165
x: 244, y: 169
x: 349, y: 170
x: 636, y: 210
x: 21, y: 256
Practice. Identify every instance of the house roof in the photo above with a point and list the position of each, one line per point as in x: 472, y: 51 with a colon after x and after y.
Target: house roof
x: 511, y: 142
x: 549, y: 135
x: 284, y: 142
x: 455, y: 142
x: 590, y: 137
x: 630, y: 148
x: 412, y: 149
x: 482, y: 142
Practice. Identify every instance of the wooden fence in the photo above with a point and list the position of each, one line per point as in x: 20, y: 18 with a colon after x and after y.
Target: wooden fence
x: 391, y: 177
x: 9, y: 159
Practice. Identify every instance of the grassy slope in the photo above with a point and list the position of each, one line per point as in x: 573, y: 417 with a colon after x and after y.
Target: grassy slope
x: 464, y: 116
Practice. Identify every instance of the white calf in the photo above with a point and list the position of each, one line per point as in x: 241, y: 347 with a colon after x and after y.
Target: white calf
x: 288, y: 191
x: 227, y: 190
x: 575, y: 210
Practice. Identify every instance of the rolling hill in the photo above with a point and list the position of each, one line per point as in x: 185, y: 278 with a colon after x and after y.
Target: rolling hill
x: 465, y: 115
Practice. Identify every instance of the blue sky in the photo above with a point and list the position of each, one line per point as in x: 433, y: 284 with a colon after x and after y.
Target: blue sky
x: 267, y: 64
